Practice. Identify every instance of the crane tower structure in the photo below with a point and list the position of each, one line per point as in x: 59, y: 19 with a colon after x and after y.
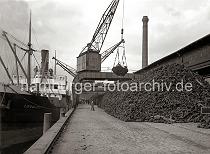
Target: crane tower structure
x: 90, y: 58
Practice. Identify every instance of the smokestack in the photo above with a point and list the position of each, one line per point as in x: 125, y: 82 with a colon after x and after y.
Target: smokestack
x: 45, y: 61
x: 145, y: 42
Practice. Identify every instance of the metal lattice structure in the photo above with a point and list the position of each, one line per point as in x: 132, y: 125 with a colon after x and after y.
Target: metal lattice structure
x: 66, y: 67
x: 109, y: 51
x: 102, y: 28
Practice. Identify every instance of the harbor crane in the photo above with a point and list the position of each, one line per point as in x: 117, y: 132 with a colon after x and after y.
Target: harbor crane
x: 90, y: 58
x: 73, y: 72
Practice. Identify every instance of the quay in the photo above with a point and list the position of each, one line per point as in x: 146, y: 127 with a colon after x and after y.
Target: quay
x: 94, y: 132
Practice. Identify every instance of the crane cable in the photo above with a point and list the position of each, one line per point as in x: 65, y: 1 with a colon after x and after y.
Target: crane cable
x: 123, y: 18
x: 117, y: 57
x: 124, y: 63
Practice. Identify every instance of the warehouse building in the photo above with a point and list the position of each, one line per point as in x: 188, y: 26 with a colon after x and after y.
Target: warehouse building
x: 195, y: 56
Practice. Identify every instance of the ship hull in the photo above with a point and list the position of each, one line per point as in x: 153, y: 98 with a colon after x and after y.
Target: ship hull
x: 22, y: 113
x: 26, y: 111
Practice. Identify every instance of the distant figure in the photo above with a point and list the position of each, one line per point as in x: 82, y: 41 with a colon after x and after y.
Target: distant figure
x: 92, y: 105
x: 36, y: 71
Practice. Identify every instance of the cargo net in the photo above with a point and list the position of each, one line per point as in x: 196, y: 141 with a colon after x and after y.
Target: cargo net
x: 120, y: 67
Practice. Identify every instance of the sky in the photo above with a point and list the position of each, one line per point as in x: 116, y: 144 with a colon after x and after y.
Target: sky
x: 68, y: 25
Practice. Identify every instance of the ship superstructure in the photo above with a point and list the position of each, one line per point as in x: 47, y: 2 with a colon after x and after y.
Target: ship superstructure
x: 44, y: 82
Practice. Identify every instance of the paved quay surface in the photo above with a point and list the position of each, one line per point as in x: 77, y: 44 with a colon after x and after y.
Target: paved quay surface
x: 95, y: 132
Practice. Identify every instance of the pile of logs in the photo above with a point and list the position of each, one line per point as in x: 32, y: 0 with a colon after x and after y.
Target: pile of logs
x: 161, y: 106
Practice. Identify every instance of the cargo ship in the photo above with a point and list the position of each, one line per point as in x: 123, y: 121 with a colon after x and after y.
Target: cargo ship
x: 26, y: 98
x: 23, y: 111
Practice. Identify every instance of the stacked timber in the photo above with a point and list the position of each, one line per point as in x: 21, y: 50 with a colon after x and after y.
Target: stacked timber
x: 164, y: 105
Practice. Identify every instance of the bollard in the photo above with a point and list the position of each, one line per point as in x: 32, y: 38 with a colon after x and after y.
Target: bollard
x: 62, y: 113
x: 47, y: 122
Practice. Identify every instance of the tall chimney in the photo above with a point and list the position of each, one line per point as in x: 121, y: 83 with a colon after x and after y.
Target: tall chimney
x: 145, y: 42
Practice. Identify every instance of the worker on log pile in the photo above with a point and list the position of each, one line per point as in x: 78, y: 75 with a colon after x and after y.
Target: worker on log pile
x: 92, y: 105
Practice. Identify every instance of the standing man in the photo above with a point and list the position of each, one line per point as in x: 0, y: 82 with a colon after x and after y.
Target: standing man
x: 92, y: 105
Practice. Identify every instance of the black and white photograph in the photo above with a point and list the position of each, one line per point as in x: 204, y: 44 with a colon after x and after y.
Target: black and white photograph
x: 104, y: 76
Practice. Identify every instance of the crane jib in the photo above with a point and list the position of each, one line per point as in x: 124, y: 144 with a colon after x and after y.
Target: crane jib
x: 103, y: 27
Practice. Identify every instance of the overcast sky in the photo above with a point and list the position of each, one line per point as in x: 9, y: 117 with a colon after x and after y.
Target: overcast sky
x: 68, y: 25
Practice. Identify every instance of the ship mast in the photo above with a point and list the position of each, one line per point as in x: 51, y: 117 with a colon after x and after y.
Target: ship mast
x: 55, y: 64
x: 16, y: 64
x: 5, y: 68
x: 29, y: 55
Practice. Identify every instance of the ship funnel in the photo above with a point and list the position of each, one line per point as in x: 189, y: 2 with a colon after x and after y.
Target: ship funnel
x: 45, y: 61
